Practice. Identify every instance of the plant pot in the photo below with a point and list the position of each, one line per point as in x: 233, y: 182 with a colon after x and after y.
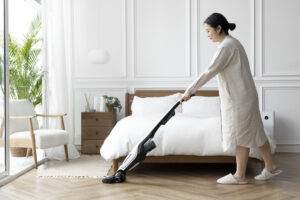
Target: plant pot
x: 110, y: 107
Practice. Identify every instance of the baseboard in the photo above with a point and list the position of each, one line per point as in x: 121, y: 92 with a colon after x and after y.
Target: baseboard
x: 292, y: 148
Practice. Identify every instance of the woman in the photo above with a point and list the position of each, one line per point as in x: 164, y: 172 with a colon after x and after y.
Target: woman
x: 242, y: 125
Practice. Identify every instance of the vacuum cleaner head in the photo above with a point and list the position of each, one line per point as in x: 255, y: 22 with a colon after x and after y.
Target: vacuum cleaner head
x: 119, y: 177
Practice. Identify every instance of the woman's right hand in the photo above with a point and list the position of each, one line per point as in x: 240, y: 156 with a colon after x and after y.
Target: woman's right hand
x: 186, y: 97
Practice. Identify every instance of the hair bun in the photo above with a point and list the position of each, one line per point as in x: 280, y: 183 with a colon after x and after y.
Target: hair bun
x: 231, y: 26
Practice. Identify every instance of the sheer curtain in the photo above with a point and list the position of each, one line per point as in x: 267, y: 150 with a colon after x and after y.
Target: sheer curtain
x: 58, y: 89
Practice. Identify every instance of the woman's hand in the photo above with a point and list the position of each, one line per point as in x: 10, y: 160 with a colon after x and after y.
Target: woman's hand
x: 186, y: 97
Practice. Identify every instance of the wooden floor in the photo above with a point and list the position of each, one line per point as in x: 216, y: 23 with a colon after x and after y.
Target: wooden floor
x: 165, y: 181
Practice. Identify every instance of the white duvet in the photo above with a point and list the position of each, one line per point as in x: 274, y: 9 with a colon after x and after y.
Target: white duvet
x: 183, y: 134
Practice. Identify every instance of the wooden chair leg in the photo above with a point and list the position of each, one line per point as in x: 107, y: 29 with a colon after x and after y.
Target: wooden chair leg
x: 34, y: 157
x: 66, y: 152
x: 33, y: 143
x: 28, y: 152
x: 115, y: 166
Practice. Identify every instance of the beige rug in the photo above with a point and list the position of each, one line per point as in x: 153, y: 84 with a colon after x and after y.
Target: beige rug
x: 87, y: 166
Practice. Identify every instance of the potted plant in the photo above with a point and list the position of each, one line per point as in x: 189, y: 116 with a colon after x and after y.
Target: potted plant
x: 112, y: 103
x: 25, y: 74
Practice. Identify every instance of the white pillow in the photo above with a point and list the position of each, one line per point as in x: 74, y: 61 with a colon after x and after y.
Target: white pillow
x: 154, y: 105
x: 202, y: 106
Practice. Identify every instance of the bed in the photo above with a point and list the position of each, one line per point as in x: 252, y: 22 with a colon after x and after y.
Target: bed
x: 178, y: 150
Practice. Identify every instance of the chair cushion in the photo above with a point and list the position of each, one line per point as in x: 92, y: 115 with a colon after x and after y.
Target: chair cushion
x: 44, y: 138
x: 21, y: 108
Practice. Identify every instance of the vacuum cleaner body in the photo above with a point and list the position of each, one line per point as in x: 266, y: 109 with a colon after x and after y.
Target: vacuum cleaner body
x: 140, y: 150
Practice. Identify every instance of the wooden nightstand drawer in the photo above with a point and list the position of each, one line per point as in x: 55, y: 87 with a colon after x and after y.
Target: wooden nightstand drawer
x: 95, y: 127
x: 91, y: 146
x: 98, y: 119
x: 95, y: 133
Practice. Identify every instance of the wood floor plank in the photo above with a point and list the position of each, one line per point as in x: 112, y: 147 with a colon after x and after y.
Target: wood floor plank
x: 164, y: 181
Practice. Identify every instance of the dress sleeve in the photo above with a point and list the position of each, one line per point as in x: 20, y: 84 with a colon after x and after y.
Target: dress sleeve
x: 220, y: 60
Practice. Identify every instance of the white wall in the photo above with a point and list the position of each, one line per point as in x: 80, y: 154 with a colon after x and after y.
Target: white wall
x: 161, y: 44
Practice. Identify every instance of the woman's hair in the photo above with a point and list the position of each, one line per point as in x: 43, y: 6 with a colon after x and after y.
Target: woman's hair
x: 216, y: 19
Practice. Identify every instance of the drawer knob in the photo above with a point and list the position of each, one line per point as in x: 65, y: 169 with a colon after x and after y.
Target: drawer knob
x: 96, y: 119
x: 97, y: 132
x: 97, y: 146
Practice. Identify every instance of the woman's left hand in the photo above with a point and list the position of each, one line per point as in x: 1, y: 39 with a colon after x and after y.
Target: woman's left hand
x: 186, y: 97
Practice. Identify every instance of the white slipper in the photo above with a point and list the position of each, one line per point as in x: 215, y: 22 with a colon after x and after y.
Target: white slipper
x: 230, y: 180
x: 266, y: 174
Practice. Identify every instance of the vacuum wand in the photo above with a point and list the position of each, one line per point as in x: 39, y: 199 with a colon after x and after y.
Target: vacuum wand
x: 140, y: 150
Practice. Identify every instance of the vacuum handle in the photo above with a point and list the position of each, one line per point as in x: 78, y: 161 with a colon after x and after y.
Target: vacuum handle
x: 163, y: 121
x: 177, y: 104
x: 191, y: 95
x: 149, y: 145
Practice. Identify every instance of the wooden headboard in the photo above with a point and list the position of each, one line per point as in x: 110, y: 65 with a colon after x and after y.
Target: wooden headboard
x: 160, y: 93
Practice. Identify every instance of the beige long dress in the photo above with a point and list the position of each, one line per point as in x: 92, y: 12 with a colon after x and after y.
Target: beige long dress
x: 241, y: 121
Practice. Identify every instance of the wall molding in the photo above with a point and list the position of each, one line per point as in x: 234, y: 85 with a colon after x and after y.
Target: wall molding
x: 262, y: 54
x: 113, y: 83
x: 188, y: 48
x: 252, y: 38
x: 289, y: 142
x: 173, y: 82
x: 286, y: 145
x: 278, y: 87
x: 277, y: 79
x: 110, y: 83
x: 287, y: 148
x: 198, y: 39
x: 211, y: 87
x: 124, y: 53
x: 262, y: 47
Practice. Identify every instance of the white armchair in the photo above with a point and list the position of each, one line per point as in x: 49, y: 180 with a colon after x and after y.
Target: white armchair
x: 24, y: 129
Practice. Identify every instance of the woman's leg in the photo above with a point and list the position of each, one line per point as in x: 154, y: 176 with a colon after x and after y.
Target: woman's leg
x: 265, y: 150
x: 242, y: 154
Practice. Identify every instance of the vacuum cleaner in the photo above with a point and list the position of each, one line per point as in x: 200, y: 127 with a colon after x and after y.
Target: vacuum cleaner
x: 140, y: 150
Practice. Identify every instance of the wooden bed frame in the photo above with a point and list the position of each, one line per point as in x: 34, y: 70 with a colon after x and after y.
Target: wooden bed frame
x: 176, y: 158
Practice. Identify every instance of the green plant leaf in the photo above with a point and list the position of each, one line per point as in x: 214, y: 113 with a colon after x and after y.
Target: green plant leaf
x: 25, y: 76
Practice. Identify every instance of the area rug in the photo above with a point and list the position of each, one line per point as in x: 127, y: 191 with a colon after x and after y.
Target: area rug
x: 86, y: 166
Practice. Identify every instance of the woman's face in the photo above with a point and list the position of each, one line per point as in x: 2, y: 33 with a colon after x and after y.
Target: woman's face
x: 212, y: 33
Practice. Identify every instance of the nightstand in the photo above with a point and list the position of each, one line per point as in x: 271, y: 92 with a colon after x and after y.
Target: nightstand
x: 95, y: 127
